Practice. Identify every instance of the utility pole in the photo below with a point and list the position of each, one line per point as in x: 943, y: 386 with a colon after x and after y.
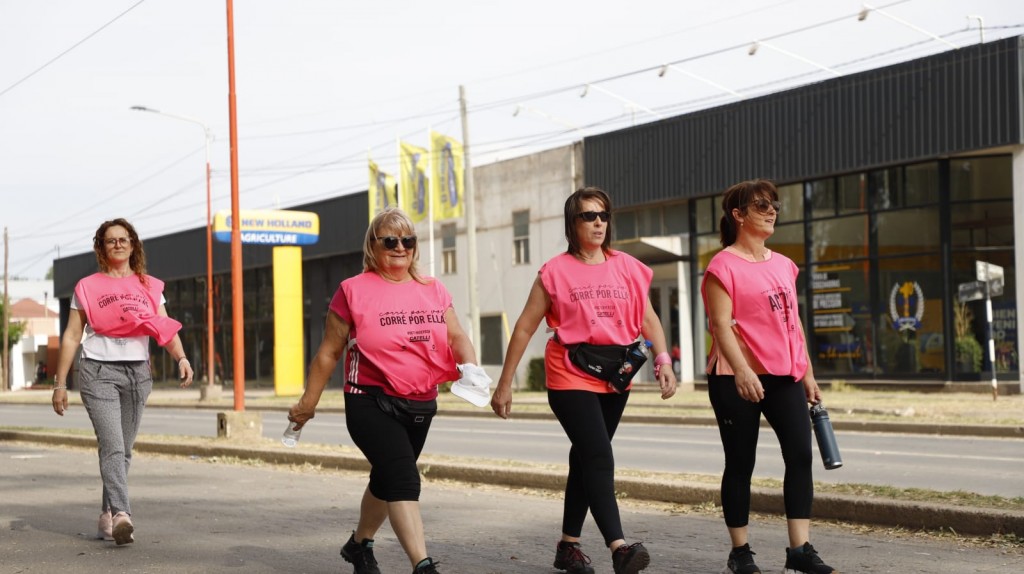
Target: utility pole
x: 7, y: 321
x: 474, y: 304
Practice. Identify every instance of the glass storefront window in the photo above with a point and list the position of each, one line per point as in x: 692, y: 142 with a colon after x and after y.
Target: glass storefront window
x: 908, y: 231
x: 981, y: 178
x: 707, y: 214
x: 624, y: 225
x: 707, y: 247
x: 852, y: 194
x: 789, y: 241
x: 970, y: 330
x: 840, y: 337
x: 676, y: 219
x: 792, y: 198
x: 920, y: 184
x: 839, y: 238
x: 988, y: 224
x: 822, y: 198
x: 909, y: 317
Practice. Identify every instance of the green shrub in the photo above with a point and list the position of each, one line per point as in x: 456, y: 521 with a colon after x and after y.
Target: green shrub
x: 536, y: 379
x: 969, y: 355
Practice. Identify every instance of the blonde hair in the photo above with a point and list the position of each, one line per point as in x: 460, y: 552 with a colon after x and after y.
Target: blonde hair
x: 396, y: 220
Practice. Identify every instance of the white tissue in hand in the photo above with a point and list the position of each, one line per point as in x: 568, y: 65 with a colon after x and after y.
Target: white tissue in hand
x: 474, y: 386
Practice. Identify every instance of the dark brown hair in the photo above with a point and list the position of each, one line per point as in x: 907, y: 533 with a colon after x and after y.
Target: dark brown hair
x: 739, y: 196
x: 136, y: 261
x: 573, y: 208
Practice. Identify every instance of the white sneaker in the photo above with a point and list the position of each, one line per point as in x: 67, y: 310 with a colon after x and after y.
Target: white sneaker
x: 474, y: 386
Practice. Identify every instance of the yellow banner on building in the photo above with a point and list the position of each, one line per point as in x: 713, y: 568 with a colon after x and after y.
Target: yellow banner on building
x: 413, y: 183
x: 381, y: 193
x: 449, y: 176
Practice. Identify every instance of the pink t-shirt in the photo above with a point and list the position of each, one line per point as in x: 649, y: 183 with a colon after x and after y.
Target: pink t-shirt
x: 598, y: 304
x: 125, y: 307
x: 400, y: 333
x: 764, y: 309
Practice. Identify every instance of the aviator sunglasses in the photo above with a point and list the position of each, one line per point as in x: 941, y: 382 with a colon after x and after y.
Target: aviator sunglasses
x: 590, y: 216
x: 391, y: 242
x: 761, y: 205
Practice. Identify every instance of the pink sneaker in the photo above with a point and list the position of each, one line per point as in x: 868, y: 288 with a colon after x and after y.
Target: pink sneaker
x: 123, y: 529
x: 105, y: 527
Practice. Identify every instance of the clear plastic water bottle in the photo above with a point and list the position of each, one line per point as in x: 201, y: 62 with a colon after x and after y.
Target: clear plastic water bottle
x: 290, y: 438
x: 826, y: 437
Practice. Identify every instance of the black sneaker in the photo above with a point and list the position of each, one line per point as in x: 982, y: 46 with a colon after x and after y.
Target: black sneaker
x: 360, y: 554
x: 630, y: 559
x: 569, y: 557
x: 741, y: 561
x: 805, y: 560
x: 427, y: 566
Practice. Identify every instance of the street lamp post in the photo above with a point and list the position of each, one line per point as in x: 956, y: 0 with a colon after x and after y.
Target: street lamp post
x: 211, y: 373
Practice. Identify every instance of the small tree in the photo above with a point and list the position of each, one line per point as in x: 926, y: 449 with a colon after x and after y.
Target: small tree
x: 969, y: 354
x: 14, y: 332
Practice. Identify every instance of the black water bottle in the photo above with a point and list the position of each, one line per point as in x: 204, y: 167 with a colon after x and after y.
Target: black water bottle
x: 826, y: 437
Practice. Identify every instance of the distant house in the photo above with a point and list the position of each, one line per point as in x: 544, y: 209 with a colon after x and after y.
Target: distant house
x: 40, y: 341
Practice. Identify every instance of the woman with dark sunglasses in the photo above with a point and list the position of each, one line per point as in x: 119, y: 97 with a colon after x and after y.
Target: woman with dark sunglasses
x: 403, y: 339
x: 759, y: 365
x: 594, y: 295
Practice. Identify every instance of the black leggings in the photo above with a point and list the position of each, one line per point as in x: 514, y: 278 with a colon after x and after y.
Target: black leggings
x: 785, y: 408
x: 589, y: 420
x: 391, y: 448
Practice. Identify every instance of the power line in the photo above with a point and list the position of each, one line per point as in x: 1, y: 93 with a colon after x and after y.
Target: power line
x: 75, y: 45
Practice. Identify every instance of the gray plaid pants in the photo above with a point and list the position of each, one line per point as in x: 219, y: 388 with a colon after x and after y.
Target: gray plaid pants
x: 114, y: 394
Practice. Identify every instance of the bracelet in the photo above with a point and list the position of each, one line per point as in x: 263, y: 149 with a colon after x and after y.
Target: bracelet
x: 60, y: 388
x: 663, y: 359
x: 183, y: 359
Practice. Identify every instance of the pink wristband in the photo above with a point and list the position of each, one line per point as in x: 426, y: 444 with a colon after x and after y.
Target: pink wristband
x: 659, y: 361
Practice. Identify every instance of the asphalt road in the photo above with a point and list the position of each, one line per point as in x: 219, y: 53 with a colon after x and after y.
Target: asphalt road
x: 981, y: 465
x: 195, y: 516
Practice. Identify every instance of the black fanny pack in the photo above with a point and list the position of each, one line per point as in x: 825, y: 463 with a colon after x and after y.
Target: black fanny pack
x: 406, y: 411
x: 616, y: 364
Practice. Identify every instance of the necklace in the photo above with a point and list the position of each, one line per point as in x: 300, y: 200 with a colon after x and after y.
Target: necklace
x: 749, y: 255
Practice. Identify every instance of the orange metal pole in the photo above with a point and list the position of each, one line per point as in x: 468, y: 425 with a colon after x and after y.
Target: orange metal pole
x: 237, y: 313
x: 210, y: 362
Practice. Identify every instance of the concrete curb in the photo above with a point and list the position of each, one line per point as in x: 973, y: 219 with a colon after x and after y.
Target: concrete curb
x: 863, y: 510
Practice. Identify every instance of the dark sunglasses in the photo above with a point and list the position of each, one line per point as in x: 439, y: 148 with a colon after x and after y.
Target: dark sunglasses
x: 761, y: 205
x: 590, y: 216
x: 391, y: 242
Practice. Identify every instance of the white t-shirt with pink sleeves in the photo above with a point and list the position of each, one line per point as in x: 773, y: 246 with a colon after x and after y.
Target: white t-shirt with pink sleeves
x: 400, y: 333
x: 764, y: 309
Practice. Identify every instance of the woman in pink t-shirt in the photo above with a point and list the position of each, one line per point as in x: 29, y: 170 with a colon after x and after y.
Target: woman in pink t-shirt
x: 759, y: 365
x: 117, y: 310
x: 589, y: 294
x: 403, y: 339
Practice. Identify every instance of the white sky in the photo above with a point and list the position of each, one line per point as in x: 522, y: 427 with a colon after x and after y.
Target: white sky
x: 321, y: 84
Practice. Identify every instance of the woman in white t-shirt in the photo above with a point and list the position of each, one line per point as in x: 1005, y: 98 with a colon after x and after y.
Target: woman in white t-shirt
x: 117, y: 310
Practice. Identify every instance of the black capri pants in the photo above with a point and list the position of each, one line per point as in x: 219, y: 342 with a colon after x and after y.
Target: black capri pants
x: 785, y: 408
x: 391, y: 447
